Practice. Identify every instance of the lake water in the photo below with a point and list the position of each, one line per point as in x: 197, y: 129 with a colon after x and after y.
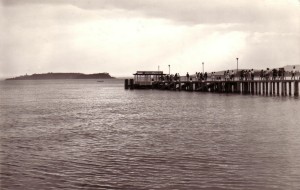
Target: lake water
x: 83, y: 134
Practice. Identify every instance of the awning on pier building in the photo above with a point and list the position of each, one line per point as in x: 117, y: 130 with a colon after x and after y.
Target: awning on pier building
x: 144, y: 78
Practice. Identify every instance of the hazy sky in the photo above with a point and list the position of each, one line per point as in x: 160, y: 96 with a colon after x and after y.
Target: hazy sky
x: 123, y: 36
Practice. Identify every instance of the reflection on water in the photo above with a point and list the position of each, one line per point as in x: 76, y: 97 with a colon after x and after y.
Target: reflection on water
x: 80, y: 134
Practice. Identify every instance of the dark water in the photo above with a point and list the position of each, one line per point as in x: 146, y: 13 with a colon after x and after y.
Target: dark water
x: 80, y: 134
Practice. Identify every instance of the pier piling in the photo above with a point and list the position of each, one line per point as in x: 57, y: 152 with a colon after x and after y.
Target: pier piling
x: 126, y: 84
x: 296, y: 88
x: 271, y: 88
x: 285, y: 88
x: 131, y: 84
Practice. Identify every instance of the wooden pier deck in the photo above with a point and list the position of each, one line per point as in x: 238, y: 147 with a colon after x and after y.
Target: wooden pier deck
x: 254, y: 87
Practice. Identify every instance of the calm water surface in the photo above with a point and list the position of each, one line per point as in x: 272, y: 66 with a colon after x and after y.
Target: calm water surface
x: 81, y: 134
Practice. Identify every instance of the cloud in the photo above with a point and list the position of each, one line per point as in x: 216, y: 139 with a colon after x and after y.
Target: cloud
x: 121, y: 37
x: 268, y: 49
x: 190, y: 11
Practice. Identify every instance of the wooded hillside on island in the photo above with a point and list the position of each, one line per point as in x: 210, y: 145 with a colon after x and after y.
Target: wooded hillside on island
x: 46, y: 76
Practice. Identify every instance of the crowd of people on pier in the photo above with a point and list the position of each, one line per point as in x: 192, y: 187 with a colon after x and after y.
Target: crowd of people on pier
x: 277, y: 74
x: 231, y: 75
x: 273, y: 74
x: 247, y: 75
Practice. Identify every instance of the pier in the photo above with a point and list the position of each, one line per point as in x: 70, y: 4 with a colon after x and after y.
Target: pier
x: 254, y: 87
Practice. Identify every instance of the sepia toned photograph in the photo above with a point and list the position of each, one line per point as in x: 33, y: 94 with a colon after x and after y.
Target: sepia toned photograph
x: 149, y: 95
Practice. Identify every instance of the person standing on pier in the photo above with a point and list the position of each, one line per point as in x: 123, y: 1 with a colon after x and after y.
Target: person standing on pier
x: 293, y: 73
x: 274, y: 71
x: 242, y: 75
x: 187, y: 76
x: 212, y: 76
x: 261, y: 74
x: 267, y: 74
x: 228, y: 75
x: 205, y: 76
x: 280, y: 73
x: 200, y: 76
x: 232, y: 75
x: 252, y: 74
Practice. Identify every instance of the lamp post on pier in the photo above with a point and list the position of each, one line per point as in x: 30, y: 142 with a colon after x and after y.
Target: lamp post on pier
x: 203, y: 67
x: 169, y: 69
x: 237, y: 65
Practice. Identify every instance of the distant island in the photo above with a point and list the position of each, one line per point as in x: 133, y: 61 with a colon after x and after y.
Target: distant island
x: 47, y: 76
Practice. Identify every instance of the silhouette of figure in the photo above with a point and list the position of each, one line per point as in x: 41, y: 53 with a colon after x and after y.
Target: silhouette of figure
x: 293, y: 73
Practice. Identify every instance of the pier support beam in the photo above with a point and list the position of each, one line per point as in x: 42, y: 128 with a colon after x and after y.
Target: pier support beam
x: 252, y: 88
x: 290, y: 88
x: 196, y: 86
x: 282, y: 88
x: 131, y: 84
x: 243, y: 87
x: 278, y: 90
x: 238, y: 87
x: 126, y: 84
x: 296, y: 88
x: 190, y: 86
x: 285, y: 88
x: 231, y: 87
x: 235, y: 88
x: 248, y: 87
x: 220, y: 87
x: 256, y: 88
x: 227, y: 87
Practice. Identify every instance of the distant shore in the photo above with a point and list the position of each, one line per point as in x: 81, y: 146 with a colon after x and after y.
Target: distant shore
x: 47, y: 76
